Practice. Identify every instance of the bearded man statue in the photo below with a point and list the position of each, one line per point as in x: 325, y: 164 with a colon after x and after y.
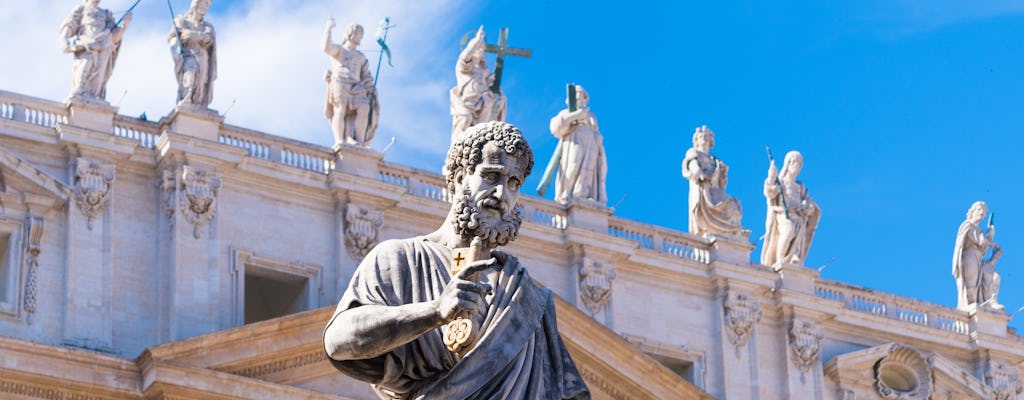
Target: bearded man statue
x: 395, y: 323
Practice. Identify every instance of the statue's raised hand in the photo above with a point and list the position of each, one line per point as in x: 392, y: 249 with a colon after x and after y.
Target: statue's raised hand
x: 463, y: 294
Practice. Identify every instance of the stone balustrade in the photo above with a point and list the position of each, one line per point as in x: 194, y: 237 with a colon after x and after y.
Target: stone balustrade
x: 661, y: 239
x: 893, y: 307
x: 32, y: 110
x: 132, y: 128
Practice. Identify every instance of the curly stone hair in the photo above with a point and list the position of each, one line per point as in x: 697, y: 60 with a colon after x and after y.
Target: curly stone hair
x: 467, y: 151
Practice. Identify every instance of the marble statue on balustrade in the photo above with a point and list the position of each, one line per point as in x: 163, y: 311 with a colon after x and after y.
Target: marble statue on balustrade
x: 792, y: 215
x: 352, y: 106
x: 445, y: 315
x: 582, y: 164
x: 977, y: 281
x: 194, y: 49
x: 93, y: 36
x: 472, y: 100
x: 711, y: 209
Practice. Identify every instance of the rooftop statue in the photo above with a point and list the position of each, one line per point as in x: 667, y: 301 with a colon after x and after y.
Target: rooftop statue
x: 94, y: 37
x: 711, y: 209
x: 977, y: 281
x: 350, y: 92
x: 445, y: 316
x: 792, y: 214
x: 194, y: 49
x: 472, y: 99
x: 582, y: 164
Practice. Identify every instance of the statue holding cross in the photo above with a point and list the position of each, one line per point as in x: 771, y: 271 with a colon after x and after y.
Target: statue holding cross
x: 477, y: 95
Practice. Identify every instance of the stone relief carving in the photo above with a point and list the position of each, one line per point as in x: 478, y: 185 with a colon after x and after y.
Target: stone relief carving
x: 92, y: 188
x: 1004, y: 380
x: 196, y: 193
x: 977, y: 281
x: 741, y: 312
x: 596, y: 285
x: 904, y: 374
x: 33, y: 248
x: 362, y: 229
x: 805, y: 342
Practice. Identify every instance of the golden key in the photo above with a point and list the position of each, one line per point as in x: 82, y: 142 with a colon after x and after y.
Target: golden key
x: 459, y: 333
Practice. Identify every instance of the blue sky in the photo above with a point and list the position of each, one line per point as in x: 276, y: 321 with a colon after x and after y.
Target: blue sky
x: 906, y: 111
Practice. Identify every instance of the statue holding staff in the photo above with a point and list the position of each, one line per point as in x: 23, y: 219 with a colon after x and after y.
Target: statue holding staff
x: 977, y: 281
x: 94, y: 37
x: 350, y: 89
x: 792, y: 215
x: 194, y: 49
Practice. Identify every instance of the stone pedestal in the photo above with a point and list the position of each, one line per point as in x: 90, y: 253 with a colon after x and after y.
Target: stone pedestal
x: 195, y: 121
x: 731, y: 249
x: 988, y: 322
x: 796, y: 277
x: 589, y: 215
x: 96, y: 115
x: 359, y: 161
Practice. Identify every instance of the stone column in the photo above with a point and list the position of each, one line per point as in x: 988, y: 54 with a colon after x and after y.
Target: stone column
x: 190, y: 284
x: 88, y: 296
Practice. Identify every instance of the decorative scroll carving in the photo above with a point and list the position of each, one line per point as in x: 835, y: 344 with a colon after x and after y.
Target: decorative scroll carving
x: 196, y: 193
x: 742, y: 313
x: 43, y: 392
x: 34, y: 234
x: 92, y: 187
x: 904, y: 374
x: 596, y: 285
x: 1004, y: 380
x: 805, y: 342
x: 362, y: 229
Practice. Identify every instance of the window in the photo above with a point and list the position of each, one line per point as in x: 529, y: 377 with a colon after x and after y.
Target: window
x: 265, y: 288
x: 10, y: 271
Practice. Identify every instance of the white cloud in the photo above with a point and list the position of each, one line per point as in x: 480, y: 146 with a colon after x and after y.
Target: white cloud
x: 270, y: 61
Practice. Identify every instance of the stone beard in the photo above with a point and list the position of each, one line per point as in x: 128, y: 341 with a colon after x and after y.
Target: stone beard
x: 468, y: 222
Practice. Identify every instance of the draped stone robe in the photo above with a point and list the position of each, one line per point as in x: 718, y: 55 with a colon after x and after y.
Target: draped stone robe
x: 519, y: 356
x: 583, y: 166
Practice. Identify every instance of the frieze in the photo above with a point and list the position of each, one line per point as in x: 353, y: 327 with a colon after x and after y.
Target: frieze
x: 602, y: 384
x: 273, y: 367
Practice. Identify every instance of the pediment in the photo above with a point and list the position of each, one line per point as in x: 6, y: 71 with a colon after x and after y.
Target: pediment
x: 898, y: 371
x: 288, y: 351
x: 26, y: 186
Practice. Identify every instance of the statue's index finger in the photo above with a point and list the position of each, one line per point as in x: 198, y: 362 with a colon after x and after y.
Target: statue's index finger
x: 476, y: 267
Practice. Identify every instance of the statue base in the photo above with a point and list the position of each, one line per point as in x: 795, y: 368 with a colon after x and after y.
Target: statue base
x: 987, y: 321
x: 358, y: 160
x: 589, y: 214
x: 796, y: 277
x: 195, y: 121
x: 734, y: 249
x: 92, y: 114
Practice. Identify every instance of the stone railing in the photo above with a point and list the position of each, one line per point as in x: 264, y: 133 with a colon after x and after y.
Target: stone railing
x: 893, y: 307
x: 297, y: 154
x: 660, y: 239
x: 32, y: 110
x: 145, y: 132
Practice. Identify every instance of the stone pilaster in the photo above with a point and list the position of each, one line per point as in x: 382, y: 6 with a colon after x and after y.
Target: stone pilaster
x: 190, y: 286
x: 88, y: 298
x: 804, y: 377
x: 741, y: 313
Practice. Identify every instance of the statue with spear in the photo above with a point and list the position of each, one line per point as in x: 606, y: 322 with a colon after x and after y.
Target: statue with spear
x: 352, y: 107
x: 94, y: 37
